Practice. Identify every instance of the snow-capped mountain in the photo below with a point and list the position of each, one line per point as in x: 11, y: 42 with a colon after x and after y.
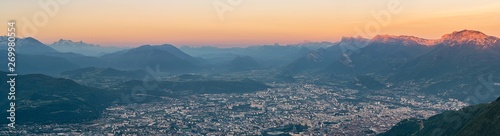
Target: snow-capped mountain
x: 469, y: 37
x: 388, y: 54
x: 455, y: 61
x: 63, y: 42
x: 83, y: 48
x: 404, y: 40
x: 314, y: 45
x: 464, y: 37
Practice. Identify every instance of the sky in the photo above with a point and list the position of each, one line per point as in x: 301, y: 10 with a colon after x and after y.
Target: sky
x: 237, y: 23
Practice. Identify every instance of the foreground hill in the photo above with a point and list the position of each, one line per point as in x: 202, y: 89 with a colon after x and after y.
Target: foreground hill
x: 477, y: 120
x: 44, y: 99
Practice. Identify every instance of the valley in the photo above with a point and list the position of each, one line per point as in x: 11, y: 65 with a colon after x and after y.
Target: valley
x: 355, y: 86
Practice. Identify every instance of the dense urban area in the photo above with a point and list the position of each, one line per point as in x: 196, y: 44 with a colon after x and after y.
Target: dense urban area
x: 322, y: 109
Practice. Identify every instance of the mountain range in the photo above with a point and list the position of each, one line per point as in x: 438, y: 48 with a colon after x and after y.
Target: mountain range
x: 83, y: 48
x: 322, y: 57
x: 166, y: 56
x: 394, y: 51
x: 267, y: 55
x: 449, y: 66
x: 28, y: 46
x: 35, y: 57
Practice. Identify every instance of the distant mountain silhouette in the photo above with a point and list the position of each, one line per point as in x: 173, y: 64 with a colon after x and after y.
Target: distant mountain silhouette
x: 267, y: 55
x: 167, y: 57
x: 36, y: 57
x: 83, y: 48
x: 323, y: 57
x: 243, y: 63
x: 33, y: 56
x: 29, y: 46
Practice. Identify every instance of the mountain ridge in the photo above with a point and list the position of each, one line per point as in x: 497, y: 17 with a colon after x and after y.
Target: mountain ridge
x: 67, y: 46
x: 28, y: 45
x: 63, y: 42
x: 165, y: 56
x: 463, y: 37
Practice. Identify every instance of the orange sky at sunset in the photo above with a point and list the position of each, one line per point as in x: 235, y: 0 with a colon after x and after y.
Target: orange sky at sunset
x: 251, y: 22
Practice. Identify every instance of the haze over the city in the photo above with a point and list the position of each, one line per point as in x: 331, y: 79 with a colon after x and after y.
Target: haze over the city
x: 251, y: 22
